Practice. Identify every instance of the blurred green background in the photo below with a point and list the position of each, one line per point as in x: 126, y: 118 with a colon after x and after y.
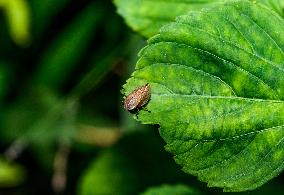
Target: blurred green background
x: 62, y: 126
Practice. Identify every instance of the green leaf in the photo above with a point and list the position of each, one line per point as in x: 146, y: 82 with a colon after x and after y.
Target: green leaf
x: 11, y: 174
x: 217, y: 80
x: 129, y: 170
x: 178, y: 189
x: 43, y: 12
x: 147, y: 17
x: 97, y: 73
x: 67, y: 49
x: 276, y: 5
x: 39, y: 118
x: 110, y: 173
x: 18, y: 16
x: 4, y: 79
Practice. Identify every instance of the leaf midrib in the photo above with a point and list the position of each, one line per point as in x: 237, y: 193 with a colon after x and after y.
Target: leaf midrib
x: 183, y: 1
x: 220, y: 97
x: 229, y: 43
x: 233, y: 137
x: 220, y: 58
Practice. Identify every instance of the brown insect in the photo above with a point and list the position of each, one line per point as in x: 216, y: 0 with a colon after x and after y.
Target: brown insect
x: 138, y: 98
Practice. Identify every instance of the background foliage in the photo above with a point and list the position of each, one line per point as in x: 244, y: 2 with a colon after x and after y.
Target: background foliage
x: 62, y: 127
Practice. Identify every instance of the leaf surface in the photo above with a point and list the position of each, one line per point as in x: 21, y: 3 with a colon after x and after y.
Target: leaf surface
x: 18, y: 17
x: 217, y: 83
x: 178, y: 189
x: 107, y: 174
x: 11, y: 174
x: 64, y: 53
x: 276, y: 5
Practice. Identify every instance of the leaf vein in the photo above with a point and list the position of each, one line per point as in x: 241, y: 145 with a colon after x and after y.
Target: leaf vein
x: 194, y: 69
x: 234, y: 45
x: 225, y: 60
x: 235, y: 137
x: 240, y: 32
x: 256, y: 165
x: 261, y: 28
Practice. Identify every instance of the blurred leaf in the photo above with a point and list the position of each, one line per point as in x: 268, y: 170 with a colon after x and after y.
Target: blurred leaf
x: 178, y: 189
x: 105, y: 58
x: 67, y: 49
x: 11, y: 174
x: 97, y: 73
x: 41, y: 123
x: 18, y: 117
x: 217, y: 93
x: 99, y: 136
x: 45, y: 161
x: 39, y: 117
x: 109, y: 174
x: 58, y: 123
x: 137, y: 166
x: 43, y: 11
x: 4, y: 80
x: 17, y: 13
x: 146, y: 17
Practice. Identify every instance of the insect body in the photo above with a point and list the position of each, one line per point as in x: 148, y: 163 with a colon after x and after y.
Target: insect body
x: 138, y: 98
